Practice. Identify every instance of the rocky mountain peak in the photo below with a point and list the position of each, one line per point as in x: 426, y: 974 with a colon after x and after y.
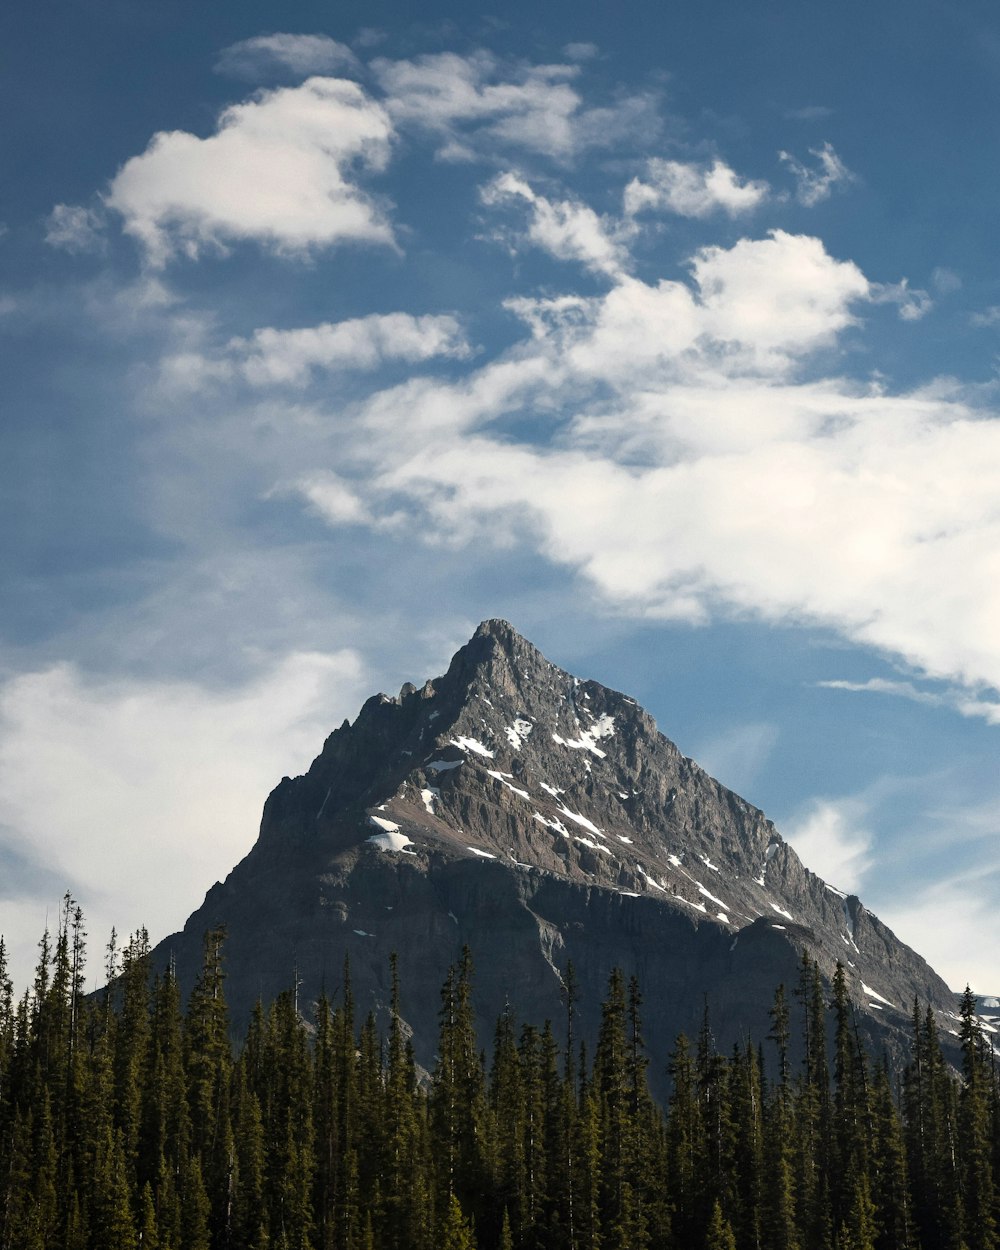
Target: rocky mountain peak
x: 541, y: 818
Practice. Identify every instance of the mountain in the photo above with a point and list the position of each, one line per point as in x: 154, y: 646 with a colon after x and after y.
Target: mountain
x: 539, y: 819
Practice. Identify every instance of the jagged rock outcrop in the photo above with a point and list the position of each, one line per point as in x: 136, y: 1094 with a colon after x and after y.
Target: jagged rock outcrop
x: 539, y: 819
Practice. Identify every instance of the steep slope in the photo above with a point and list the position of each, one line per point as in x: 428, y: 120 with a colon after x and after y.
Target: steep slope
x: 539, y: 819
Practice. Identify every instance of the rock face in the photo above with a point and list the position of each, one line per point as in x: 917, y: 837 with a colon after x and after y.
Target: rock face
x: 540, y: 820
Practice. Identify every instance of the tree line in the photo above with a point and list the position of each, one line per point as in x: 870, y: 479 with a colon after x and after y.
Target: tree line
x: 128, y: 1121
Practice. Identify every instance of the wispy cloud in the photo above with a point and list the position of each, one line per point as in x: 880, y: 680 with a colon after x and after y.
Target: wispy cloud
x: 817, y: 182
x: 479, y: 103
x: 737, y: 754
x: 911, y: 302
x: 810, y: 113
x: 252, y: 59
x: 75, y: 228
x: 292, y: 357
x: 957, y: 700
x: 168, y: 760
x: 955, y: 923
x: 831, y: 839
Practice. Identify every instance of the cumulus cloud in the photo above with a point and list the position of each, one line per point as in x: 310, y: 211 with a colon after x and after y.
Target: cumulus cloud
x: 479, y: 101
x: 75, y: 228
x: 817, y: 182
x: 273, y: 357
x: 686, y: 459
x: 163, y: 781
x: 281, y: 169
x: 566, y: 229
x: 780, y: 297
x: 252, y: 59
x: 832, y: 842
x: 692, y: 190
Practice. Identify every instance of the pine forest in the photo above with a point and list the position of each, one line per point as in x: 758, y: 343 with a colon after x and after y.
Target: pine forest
x: 128, y: 1120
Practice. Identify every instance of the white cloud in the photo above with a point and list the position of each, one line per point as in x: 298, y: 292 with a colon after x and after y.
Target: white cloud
x: 280, y: 170
x: 272, y: 357
x: 567, y: 229
x: 300, y: 54
x: 955, y: 924
x: 683, y: 460
x: 832, y: 842
x: 333, y: 499
x: 912, y: 303
x: 781, y: 297
x: 75, y: 228
x: 477, y: 102
x: 958, y: 700
x: 140, y: 794
x: 817, y: 183
x: 988, y: 317
x: 692, y: 190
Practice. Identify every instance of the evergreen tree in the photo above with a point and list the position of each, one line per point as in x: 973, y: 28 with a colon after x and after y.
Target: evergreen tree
x: 978, y: 1196
x: 720, y: 1235
x: 458, y: 1096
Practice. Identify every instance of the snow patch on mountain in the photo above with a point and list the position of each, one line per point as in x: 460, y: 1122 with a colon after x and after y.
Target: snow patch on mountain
x: 870, y: 993
x: 502, y: 778
x: 472, y: 744
x: 392, y: 841
x: 603, y: 727
x: 518, y: 732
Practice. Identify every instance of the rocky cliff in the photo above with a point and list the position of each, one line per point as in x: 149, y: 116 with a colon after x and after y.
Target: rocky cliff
x: 539, y: 819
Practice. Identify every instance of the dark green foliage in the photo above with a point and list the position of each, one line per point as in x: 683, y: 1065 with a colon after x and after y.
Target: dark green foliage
x: 126, y: 1124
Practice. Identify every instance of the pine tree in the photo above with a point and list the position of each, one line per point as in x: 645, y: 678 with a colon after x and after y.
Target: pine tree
x: 506, y: 1101
x: 458, y: 1094
x: 974, y: 1132
x: 683, y: 1146
x: 812, y: 1134
x: 747, y: 1156
x: 890, y: 1191
x: 112, y: 1222
x: 455, y: 1231
x: 720, y: 1235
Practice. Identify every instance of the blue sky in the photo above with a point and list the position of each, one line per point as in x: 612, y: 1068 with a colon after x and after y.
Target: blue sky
x: 669, y: 333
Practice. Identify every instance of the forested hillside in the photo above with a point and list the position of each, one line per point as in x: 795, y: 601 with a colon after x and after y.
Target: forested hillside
x: 128, y: 1120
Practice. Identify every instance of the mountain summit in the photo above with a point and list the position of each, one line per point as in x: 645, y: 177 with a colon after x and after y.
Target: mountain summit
x: 540, y: 820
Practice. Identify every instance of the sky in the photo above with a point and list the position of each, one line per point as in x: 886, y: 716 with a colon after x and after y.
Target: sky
x: 668, y: 333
